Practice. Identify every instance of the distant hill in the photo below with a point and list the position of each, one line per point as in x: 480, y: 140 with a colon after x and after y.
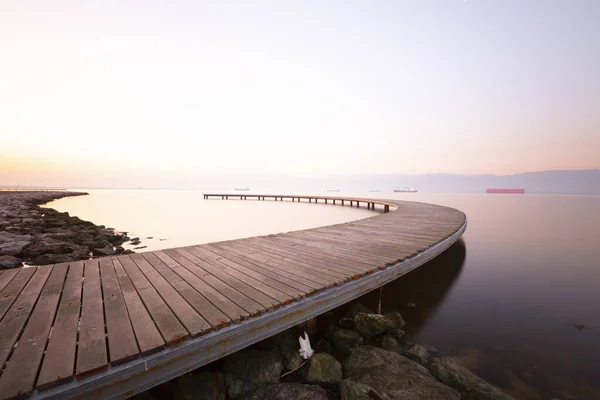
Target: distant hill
x: 568, y: 182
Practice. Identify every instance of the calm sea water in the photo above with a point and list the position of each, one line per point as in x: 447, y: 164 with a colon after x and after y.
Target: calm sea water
x: 506, y: 298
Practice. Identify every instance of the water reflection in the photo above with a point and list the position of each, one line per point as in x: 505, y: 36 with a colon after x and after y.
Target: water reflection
x: 425, y: 288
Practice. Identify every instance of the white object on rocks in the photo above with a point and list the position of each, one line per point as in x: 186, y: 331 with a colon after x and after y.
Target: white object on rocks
x: 305, y: 350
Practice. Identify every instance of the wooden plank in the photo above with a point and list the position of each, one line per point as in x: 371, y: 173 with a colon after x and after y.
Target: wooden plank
x: 186, y: 314
x: 122, y: 345
x: 262, y: 299
x: 59, y: 361
x: 91, y: 351
x: 147, y: 334
x: 205, y: 308
x: 167, y: 323
x: 336, y: 250
x: 269, y: 291
x: 16, y: 317
x: 291, y: 290
x: 7, y: 276
x: 21, y: 371
x: 232, y: 310
x: 302, y: 288
x: 323, y: 271
x: 13, y: 288
x: 245, y: 302
x: 300, y: 274
x: 319, y: 262
x: 288, y: 252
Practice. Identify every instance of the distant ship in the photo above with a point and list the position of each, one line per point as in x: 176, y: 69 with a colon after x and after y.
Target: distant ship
x: 374, y: 190
x: 245, y: 189
x: 333, y: 190
x: 508, y: 191
x: 406, y: 189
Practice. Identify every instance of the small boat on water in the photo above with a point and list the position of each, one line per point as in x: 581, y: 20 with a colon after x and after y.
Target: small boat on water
x: 333, y: 190
x: 245, y: 189
x: 506, y: 191
x: 406, y: 189
x: 374, y: 190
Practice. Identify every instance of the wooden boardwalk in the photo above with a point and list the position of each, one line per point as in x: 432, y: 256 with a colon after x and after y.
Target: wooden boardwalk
x: 115, y: 326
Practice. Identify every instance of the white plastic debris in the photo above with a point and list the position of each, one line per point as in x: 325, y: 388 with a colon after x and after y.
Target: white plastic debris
x: 305, y: 350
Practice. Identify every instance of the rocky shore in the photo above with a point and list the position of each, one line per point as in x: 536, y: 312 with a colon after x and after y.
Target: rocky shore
x: 362, y: 356
x: 39, y: 235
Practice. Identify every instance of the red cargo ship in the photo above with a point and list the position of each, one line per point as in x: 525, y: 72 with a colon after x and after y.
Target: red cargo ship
x: 511, y: 191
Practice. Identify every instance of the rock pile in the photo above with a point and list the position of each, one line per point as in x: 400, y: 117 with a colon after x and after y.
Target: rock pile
x: 366, y: 359
x: 40, y: 235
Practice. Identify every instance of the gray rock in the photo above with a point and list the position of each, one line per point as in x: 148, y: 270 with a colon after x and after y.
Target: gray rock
x: 449, y: 371
x: 287, y: 344
x: 394, y: 376
x: 418, y: 353
x: 52, y: 259
x: 387, y: 342
x: 202, y: 386
x: 13, y: 249
x: 9, y: 262
x: 351, y: 390
x: 322, y: 368
x: 248, y: 369
x: 324, y: 347
x: 431, y: 350
x: 397, y: 333
x: 47, y: 245
x: 104, y: 251
x: 287, y: 391
x: 369, y: 325
x: 343, y: 339
x: 396, y: 318
x: 346, y: 323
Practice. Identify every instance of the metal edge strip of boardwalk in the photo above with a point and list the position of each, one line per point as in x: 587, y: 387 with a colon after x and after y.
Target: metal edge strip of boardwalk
x: 143, y: 373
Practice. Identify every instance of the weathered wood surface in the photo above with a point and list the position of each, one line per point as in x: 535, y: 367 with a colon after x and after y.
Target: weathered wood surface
x: 65, y: 322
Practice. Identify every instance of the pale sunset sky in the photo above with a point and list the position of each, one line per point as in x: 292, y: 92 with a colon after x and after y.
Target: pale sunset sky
x: 95, y: 93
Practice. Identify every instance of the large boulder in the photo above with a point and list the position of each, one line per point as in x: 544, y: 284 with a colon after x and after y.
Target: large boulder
x: 322, y: 368
x: 13, y: 249
x: 287, y: 391
x: 418, y: 353
x: 47, y: 245
x: 203, y: 386
x: 104, y: 251
x: 248, y: 369
x: 387, y: 342
x: 9, y: 262
x: 369, y: 325
x: 45, y: 259
x: 394, y: 376
x: 351, y: 390
x: 343, y: 339
x: 395, y: 318
x: 449, y: 371
x: 289, y: 347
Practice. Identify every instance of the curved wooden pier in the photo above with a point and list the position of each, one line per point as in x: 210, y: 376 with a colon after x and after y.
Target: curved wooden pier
x: 115, y: 326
